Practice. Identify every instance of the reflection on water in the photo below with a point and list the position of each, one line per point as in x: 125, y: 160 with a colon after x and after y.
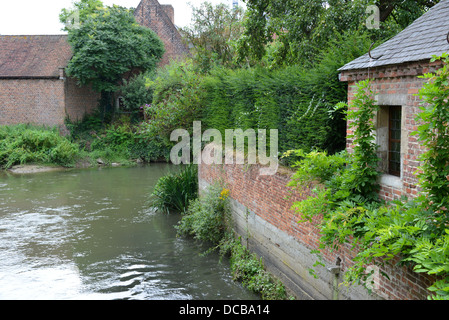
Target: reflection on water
x: 90, y: 234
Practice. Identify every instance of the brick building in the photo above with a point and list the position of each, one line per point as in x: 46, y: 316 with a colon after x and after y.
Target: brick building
x: 161, y: 19
x: 33, y: 84
x: 394, y: 68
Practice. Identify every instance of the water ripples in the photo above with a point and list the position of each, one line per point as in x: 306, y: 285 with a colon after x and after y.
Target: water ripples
x: 83, y: 235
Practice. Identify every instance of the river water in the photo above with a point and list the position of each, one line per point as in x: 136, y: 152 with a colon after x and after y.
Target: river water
x: 91, y: 234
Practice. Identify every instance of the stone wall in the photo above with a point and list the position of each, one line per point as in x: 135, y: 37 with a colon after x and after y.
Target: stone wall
x: 262, y: 216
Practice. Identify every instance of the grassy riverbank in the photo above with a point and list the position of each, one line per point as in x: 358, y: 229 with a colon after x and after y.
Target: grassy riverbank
x: 91, y: 142
x: 25, y: 144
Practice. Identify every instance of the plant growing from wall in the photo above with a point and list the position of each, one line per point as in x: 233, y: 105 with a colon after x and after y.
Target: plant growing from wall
x: 208, y: 219
x: 343, y: 178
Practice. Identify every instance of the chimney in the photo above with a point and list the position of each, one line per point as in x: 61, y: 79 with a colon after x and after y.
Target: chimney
x: 170, y: 11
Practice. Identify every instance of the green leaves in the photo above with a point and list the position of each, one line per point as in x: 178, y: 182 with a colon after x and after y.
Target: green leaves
x: 433, y: 133
x: 108, y: 44
x: 23, y: 144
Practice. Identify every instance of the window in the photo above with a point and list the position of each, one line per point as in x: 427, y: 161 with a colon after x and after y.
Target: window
x: 394, y: 141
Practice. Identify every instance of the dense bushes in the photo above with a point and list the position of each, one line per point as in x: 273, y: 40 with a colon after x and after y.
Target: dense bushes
x: 121, y: 140
x: 174, y: 191
x: 22, y: 144
x: 297, y: 101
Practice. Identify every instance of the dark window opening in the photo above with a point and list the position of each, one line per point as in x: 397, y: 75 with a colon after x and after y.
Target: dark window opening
x: 394, y: 141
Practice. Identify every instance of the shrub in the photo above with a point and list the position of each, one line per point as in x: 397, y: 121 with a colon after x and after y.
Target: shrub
x: 206, y: 217
x: 137, y: 92
x: 119, y: 141
x: 175, y: 191
x: 22, y: 144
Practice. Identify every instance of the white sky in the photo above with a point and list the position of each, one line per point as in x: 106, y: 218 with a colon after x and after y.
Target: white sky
x: 26, y: 17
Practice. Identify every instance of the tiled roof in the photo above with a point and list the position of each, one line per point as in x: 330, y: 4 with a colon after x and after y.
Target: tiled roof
x: 35, y: 56
x: 425, y: 37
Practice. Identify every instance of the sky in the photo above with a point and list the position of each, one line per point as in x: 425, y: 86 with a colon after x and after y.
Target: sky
x: 27, y: 17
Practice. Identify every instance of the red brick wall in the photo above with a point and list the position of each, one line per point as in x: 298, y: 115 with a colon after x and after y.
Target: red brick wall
x: 151, y: 14
x: 393, y: 81
x: 32, y: 101
x: 44, y: 101
x: 271, y: 199
x: 79, y: 100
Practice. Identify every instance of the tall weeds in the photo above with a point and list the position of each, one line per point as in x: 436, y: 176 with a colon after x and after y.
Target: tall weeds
x: 175, y: 190
x: 21, y: 144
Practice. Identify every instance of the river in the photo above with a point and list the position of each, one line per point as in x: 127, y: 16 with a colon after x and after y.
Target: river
x: 91, y: 234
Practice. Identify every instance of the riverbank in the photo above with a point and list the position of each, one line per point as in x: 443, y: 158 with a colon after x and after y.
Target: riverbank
x: 33, y: 168
x: 29, y: 149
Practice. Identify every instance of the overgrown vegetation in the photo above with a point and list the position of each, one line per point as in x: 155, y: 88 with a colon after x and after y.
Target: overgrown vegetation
x: 299, y: 102
x: 417, y: 230
x: 119, y: 141
x: 296, y: 31
x: 208, y: 219
x: 174, y: 191
x: 21, y: 144
x: 107, y: 45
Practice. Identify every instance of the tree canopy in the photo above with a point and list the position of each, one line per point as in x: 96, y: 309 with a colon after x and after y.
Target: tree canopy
x: 107, y: 44
x: 302, y: 28
x: 212, y: 34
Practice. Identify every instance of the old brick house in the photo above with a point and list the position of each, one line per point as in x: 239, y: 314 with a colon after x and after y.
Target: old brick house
x: 161, y: 19
x: 394, y: 68
x: 33, y: 84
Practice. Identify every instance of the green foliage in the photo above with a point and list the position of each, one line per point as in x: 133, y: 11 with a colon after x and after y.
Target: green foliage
x: 301, y: 29
x: 212, y: 33
x: 175, y: 191
x: 364, y: 169
x: 344, y: 177
x: 136, y: 92
x: 433, y: 134
x: 208, y: 219
x: 178, y: 100
x: 415, y: 231
x: 297, y: 101
x: 250, y: 271
x: 108, y: 44
x: 72, y: 18
x: 120, y: 141
x: 21, y: 144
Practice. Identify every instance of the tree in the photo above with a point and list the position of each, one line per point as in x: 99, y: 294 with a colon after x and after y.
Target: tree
x: 72, y: 18
x: 109, y: 44
x: 212, y: 33
x: 303, y: 28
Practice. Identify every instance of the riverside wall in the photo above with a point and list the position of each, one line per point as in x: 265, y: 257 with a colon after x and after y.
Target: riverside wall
x: 263, y: 218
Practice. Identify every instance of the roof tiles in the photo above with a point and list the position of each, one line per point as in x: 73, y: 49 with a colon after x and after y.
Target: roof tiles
x: 425, y: 37
x: 35, y: 56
